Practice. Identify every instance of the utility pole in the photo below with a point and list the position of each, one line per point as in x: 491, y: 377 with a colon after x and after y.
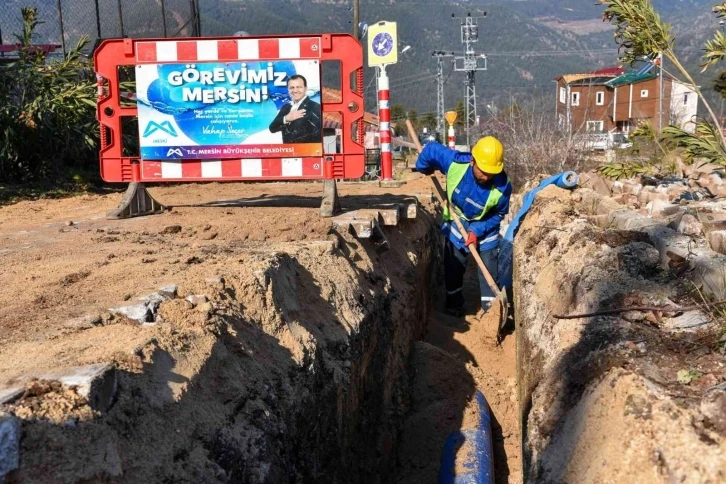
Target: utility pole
x: 471, y: 62
x: 440, y: 125
x: 356, y: 18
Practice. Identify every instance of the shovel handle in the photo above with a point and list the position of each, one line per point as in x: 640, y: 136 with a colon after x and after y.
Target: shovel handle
x: 442, y: 199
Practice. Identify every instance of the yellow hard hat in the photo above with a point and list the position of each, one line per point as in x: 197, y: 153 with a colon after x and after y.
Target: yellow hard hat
x: 488, y: 155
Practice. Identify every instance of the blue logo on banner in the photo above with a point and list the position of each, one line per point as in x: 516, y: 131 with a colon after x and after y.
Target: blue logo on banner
x: 153, y: 127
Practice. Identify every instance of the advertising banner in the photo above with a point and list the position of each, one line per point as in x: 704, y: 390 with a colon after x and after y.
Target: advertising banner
x: 260, y: 109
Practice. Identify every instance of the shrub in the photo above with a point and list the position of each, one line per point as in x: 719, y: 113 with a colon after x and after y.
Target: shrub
x: 47, y: 111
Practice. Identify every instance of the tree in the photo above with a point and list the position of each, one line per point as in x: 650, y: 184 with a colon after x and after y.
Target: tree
x: 460, y: 115
x: 719, y: 84
x: 429, y: 121
x: 640, y: 33
x: 398, y: 113
x: 412, y: 116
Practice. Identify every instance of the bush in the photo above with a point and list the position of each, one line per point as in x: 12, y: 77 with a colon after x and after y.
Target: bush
x: 47, y: 112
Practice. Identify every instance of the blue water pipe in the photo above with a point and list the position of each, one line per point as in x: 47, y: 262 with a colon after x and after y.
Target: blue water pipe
x: 567, y: 179
x: 468, y: 456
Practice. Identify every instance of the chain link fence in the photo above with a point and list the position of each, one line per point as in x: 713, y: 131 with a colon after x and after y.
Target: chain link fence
x: 66, y: 21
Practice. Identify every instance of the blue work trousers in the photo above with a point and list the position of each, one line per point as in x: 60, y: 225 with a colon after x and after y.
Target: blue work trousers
x: 454, y: 268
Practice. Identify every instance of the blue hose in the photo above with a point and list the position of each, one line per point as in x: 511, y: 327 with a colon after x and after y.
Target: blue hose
x: 468, y: 457
x: 567, y: 179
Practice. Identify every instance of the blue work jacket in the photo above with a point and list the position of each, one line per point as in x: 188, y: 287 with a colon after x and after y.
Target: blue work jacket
x: 469, y: 196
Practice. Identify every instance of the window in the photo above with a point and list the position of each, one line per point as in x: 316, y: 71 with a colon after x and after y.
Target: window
x: 575, y: 98
x: 563, y: 95
x: 685, y: 98
x: 600, y: 98
x: 644, y: 93
x: 595, y: 126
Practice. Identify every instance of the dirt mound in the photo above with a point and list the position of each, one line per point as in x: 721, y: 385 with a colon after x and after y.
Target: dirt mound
x: 619, y: 395
x: 283, y: 356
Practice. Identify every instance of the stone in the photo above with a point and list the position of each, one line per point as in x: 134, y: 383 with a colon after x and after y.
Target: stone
x: 215, y: 282
x: 662, y: 208
x: 598, y: 184
x: 205, y: 307
x: 169, y: 291
x: 717, y: 241
x: 687, y: 320
x: 713, y: 408
x: 135, y: 312
x: 196, y: 299
x: 171, y: 229
x: 9, y: 444
x: 690, y: 225
x: 617, y: 187
x: 713, y: 221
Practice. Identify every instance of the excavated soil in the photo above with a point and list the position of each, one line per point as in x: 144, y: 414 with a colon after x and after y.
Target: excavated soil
x: 302, y: 354
x: 622, y: 397
x: 458, y: 357
x: 290, y: 365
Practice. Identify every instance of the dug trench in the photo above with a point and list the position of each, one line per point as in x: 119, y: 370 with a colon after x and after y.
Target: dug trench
x: 276, y: 352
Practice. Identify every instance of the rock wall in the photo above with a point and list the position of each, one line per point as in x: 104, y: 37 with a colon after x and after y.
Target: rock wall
x: 636, y: 396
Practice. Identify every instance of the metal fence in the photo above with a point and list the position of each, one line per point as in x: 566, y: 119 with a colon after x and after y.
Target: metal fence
x: 66, y: 21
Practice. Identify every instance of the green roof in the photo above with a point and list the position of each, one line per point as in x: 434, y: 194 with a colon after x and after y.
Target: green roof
x: 631, y: 77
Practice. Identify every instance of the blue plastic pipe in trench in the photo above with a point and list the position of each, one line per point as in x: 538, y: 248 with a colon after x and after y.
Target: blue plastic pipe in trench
x: 468, y: 456
x: 567, y: 179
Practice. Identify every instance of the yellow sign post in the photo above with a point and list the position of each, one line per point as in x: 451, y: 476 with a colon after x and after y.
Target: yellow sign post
x: 451, y: 119
x: 382, y: 44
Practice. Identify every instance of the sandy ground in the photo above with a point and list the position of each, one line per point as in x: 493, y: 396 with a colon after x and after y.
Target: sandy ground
x: 64, y: 265
x: 458, y: 357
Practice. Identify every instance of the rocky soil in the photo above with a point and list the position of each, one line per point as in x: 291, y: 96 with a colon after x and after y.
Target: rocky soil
x: 636, y: 396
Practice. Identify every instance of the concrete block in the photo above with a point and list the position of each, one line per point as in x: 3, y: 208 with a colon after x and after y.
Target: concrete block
x: 687, y: 320
x: 388, y: 216
x: 629, y: 220
x: 135, y: 312
x: 9, y: 444
x: 682, y: 247
x: 690, y: 225
x: 717, y: 241
x: 98, y: 383
x: 9, y: 395
x: 710, y: 275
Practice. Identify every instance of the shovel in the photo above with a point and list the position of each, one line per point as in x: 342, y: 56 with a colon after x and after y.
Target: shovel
x: 500, y: 295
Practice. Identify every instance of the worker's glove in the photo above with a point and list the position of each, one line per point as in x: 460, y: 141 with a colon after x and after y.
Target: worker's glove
x: 471, y: 239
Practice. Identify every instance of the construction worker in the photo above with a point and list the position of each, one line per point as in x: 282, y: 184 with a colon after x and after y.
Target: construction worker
x: 478, y: 189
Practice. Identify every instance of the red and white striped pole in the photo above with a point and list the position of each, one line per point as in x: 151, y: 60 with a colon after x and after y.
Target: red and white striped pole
x: 450, y: 117
x: 384, y: 124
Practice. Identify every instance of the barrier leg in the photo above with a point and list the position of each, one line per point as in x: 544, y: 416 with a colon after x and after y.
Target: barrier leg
x: 136, y: 202
x: 331, y: 203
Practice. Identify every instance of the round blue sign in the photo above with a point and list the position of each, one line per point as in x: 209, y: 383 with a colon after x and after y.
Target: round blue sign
x: 382, y: 44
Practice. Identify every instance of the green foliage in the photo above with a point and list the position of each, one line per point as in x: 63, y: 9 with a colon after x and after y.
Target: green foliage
x: 413, y: 116
x: 625, y: 169
x: 398, y: 113
x: 47, y: 111
x: 460, y: 114
x: 719, y: 84
x: 639, y: 30
x: 428, y: 120
x: 704, y: 143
